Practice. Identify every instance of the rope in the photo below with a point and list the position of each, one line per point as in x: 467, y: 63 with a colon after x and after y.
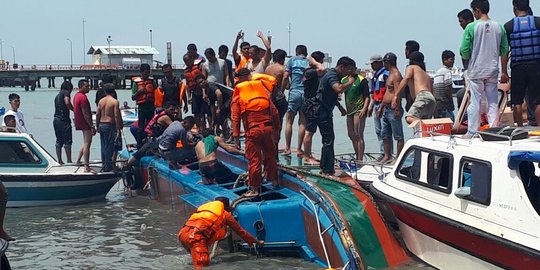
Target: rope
x: 241, y: 178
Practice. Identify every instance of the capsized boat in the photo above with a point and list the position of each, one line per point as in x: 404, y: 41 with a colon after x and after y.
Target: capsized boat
x: 332, y: 222
x: 33, y: 178
x: 468, y: 203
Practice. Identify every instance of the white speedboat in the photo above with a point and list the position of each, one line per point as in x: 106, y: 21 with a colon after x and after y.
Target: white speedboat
x: 468, y: 203
x: 33, y: 178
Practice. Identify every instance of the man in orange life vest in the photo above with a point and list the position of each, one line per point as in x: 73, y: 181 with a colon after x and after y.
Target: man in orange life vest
x: 143, y: 93
x: 241, y: 60
x: 206, y: 226
x: 251, y: 103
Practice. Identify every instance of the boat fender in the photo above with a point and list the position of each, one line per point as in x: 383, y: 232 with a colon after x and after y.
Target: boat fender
x: 258, y: 226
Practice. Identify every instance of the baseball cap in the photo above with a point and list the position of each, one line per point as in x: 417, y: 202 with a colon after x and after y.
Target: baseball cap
x: 390, y: 57
x: 375, y: 58
x: 243, y: 72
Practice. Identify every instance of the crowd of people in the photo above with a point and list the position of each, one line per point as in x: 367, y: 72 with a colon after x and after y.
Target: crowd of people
x: 247, y: 96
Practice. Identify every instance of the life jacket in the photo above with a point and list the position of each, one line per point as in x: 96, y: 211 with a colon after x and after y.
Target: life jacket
x: 378, y: 84
x: 161, y: 97
x: 154, y: 129
x: 190, y: 75
x: 212, y: 215
x: 252, y: 96
x: 148, y: 94
x: 525, y: 40
x: 243, y: 62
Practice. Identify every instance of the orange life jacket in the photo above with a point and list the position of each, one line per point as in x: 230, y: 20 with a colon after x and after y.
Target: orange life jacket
x: 148, y: 93
x: 190, y: 75
x: 243, y: 62
x: 252, y: 96
x: 213, y: 224
x: 268, y: 81
x: 153, y: 129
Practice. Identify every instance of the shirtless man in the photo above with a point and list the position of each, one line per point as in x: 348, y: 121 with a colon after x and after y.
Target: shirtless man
x: 420, y: 84
x: 212, y: 170
x: 257, y: 63
x: 277, y: 69
x: 109, y: 122
x: 391, y: 118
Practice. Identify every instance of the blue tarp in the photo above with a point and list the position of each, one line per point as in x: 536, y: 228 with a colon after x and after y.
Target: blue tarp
x: 516, y: 157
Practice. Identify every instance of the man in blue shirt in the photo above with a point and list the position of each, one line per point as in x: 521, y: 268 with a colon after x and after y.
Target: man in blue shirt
x: 295, y: 70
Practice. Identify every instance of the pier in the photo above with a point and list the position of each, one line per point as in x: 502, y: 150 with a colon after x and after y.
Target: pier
x: 31, y: 77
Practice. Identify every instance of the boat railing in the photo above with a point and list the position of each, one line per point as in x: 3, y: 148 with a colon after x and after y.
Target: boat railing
x: 80, y: 165
x: 482, y: 135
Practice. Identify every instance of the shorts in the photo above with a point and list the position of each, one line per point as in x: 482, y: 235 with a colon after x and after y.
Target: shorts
x: 182, y: 156
x: 391, y: 125
x: 281, y: 106
x: 224, y: 114
x: 525, y: 81
x: 63, y: 132
x: 296, y: 101
x: 216, y: 171
x: 423, y: 106
x: 199, y: 106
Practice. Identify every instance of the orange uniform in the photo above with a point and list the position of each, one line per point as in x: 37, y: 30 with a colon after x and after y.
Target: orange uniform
x: 207, y: 225
x: 251, y: 103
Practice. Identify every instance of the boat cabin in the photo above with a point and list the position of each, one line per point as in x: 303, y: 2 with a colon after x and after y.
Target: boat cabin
x: 477, y: 196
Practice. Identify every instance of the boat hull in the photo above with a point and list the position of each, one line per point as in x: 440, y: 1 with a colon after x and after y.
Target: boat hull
x: 46, y: 190
x: 445, y: 243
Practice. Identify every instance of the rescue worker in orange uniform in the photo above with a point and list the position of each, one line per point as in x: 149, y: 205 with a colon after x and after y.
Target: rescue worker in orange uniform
x: 251, y: 103
x: 207, y: 225
x: 143, y: 90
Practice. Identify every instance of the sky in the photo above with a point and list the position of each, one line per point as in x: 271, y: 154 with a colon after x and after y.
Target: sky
x: 38, y: 30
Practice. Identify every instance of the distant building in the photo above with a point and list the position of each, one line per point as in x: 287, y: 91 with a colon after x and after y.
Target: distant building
x: 123, y: 56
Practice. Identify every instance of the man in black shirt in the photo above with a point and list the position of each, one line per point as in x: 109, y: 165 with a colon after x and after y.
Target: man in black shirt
x: 330, y: 87
x: 61, y: 121
x: 525, y: 59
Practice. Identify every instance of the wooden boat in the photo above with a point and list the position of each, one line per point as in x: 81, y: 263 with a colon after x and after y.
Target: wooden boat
x: 332, y: 222
x: 33, y: 178
x: 468, y: 203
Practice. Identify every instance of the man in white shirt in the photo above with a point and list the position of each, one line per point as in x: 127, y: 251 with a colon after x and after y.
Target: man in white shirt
x: 15, y: 102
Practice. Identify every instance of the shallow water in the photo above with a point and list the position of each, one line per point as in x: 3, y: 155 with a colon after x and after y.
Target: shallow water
x: 121, y: 232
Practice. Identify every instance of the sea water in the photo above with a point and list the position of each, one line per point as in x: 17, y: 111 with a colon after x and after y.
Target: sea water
x: 121, y: 232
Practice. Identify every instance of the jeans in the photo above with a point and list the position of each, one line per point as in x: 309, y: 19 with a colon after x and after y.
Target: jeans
x: 444, y: 114
x: 144, y: 118
x: 392, y: 125
x: 326, y: 126
x: 378, y: 126
x: 479, y: 89
x: 107, y: 135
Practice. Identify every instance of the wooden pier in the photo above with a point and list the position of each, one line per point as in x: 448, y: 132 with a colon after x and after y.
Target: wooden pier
x: 30, y: 78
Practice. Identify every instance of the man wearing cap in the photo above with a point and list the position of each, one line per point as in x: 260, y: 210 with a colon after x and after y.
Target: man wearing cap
x: 251, y: 104
x: 378, y: 88
x: 419, y: 83
x: 391, y: 118
x: 207, y: 225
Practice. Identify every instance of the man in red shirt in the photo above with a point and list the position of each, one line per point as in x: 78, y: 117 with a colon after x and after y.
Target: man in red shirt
x: 83, y: 121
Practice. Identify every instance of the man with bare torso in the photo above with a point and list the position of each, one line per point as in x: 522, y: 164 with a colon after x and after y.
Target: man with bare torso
x: 277, y: 69
x: 420, y: 84
x: 109, y: 122
x: 391, y: 118
x: 212, y: 170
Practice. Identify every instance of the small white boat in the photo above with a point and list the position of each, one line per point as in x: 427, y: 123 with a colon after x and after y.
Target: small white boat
x: 33, y: 178
x: 468, y: 203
